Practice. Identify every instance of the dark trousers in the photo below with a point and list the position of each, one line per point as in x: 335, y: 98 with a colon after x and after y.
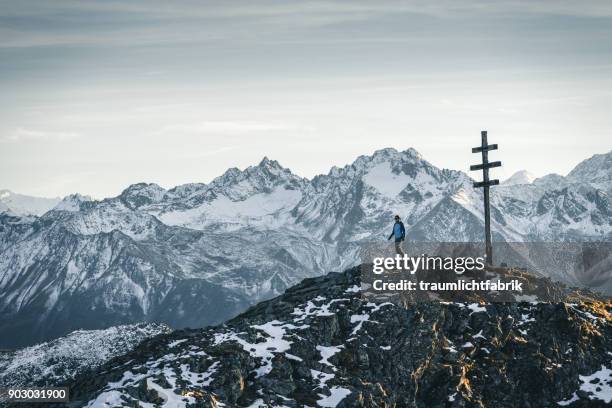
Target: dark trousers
x: 398, y: 248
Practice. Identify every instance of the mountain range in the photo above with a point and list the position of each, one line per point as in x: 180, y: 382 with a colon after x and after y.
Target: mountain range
x: 199, y: 253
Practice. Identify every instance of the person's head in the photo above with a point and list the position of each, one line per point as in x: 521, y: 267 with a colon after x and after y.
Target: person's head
x: 397, y: 218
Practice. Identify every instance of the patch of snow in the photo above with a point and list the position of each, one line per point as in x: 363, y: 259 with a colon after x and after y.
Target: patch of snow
x: 476, y: 308
x: 292, y: 357
x: 312, y: 309
x: 176, y: 343
x: 598, y: 384
x: 353, y: 289
x: 359, y: 319
x: 377, y: 306
x: 572, y: 399
x: 327, y: 352
x: 479, y: 335
x: 170, y: 399
x: 526, y: 298
x: 321, y: 377
x: 382, y: 178
x: 107, y: 399
x: 266, y: 349
x: 262, y: 208
x: 332, y: 401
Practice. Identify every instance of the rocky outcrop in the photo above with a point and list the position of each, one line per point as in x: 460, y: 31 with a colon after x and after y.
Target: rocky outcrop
x: 323, y: 344
x: 63, y: 359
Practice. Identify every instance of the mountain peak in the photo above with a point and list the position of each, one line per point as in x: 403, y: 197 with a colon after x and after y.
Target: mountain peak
x: 596, y: 169
x: 72, y: 202
x: 140, y: 194
x: 21, y: 204
x: 268, y: 163
x: 413, y: 152
x: 387, y: 151
x: 520, y: 177
x: 388, y: 154
x: 264, y: 177
x: 392, y: 153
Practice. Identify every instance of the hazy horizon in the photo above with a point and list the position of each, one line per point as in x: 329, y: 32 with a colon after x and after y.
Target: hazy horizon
x: 99, y: 95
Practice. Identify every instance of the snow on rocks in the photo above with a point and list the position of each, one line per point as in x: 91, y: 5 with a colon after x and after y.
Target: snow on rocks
x: 337, y: 394
x: 476, y: 308
x: 169, y: 398
x: 365, y: 317
x: 115, y: 393
x: 569, y: 401
x: 274, y: 343
x: 321, y: 377
x: 359, y: 319
x: 296, y: 350
x: 312, y: 309
x: 176, y: 343
x: 479, y: 336
x: 598, y: 384
x: 353, y: 289
x: 64, y: 358
x: 327, y: 353
x: 375, y: 307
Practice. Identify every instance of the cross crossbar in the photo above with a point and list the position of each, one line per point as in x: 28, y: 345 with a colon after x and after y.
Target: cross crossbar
x: 485, y: 166
x: 489, y: 183
x: 484, y: 148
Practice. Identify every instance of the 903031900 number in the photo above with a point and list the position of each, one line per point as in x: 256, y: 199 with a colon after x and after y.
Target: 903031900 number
x: 34, y: 394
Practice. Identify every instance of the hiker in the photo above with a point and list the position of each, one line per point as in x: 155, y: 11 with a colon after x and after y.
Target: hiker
x: 400, y: 233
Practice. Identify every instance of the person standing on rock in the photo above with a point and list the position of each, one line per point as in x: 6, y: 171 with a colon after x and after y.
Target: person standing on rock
x: 399, y: 232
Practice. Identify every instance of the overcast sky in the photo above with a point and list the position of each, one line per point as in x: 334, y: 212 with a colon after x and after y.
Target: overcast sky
x: 99, y: 95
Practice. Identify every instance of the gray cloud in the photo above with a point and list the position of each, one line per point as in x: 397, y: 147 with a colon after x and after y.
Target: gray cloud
x: 143, y: 90
x: 21, y: 134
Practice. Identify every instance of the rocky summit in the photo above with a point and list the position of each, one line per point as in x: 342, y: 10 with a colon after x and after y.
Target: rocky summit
x: 322, y: 344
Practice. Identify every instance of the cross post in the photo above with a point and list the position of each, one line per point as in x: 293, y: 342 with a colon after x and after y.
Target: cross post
x: 484, y: 149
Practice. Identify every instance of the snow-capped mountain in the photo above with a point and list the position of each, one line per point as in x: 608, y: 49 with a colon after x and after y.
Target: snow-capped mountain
x: 199, y: 253
x: 20, y: 204
x: 71, y: 202
x: 63, y: 359
x: 520, y: 177
x: 597, y: 171
x: 323, y: 344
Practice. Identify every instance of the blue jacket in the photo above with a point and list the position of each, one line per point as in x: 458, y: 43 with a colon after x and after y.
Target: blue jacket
x: 398, y: 231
